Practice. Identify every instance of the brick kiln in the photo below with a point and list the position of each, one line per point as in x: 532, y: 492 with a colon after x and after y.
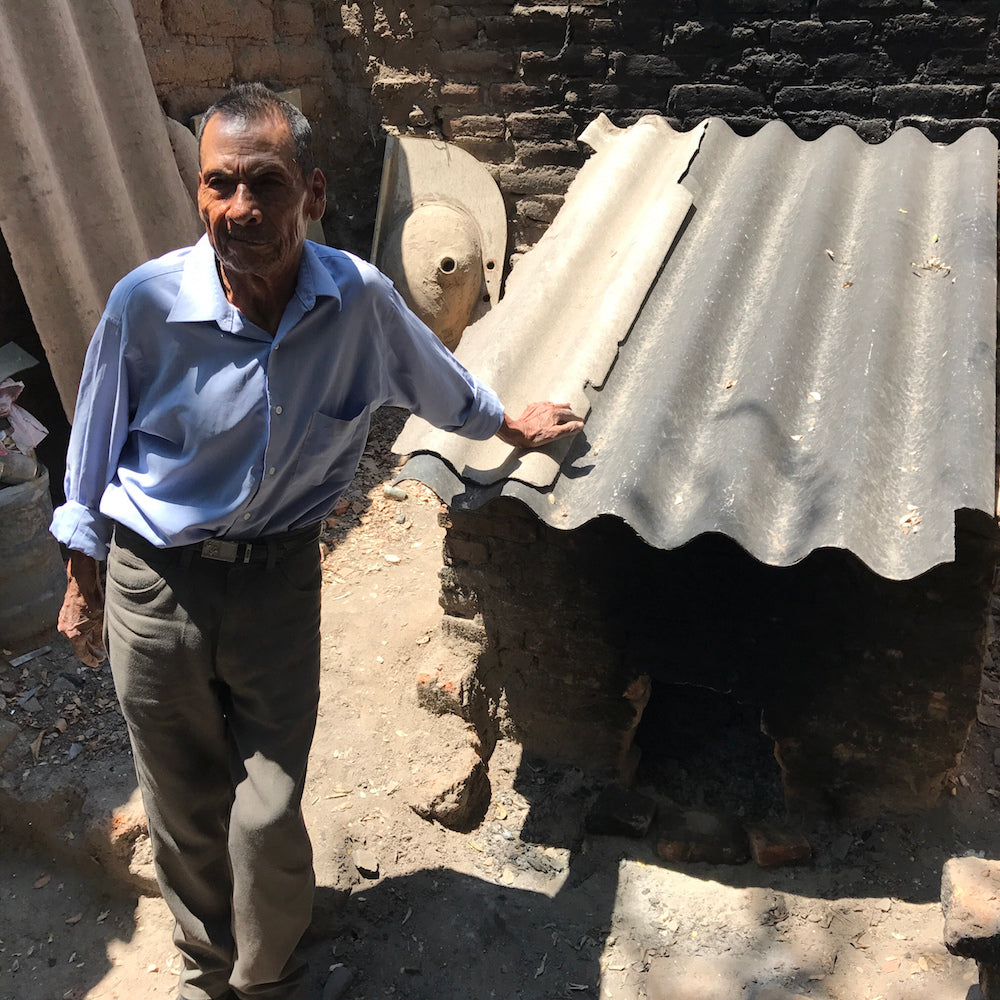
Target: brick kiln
x: 785, y: 489
x: 866, y: 686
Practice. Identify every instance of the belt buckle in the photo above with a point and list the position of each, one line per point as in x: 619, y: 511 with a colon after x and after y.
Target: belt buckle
x: 219, y: 549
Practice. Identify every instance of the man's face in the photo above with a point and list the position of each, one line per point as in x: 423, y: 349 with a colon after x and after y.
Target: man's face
x: 252, y: 196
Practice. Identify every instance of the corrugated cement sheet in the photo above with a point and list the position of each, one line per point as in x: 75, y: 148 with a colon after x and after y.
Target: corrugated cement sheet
x: 814, y: 365
x: 89, y: 187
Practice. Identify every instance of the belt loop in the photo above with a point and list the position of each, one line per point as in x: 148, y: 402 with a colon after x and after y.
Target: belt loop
x: 187, y: 554
x: 272, y: 555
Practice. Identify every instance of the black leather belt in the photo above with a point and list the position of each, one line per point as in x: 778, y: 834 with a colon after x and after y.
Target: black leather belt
x: 266, y: 551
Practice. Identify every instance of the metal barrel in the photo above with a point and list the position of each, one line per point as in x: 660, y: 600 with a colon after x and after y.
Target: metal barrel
x: 32, y: 573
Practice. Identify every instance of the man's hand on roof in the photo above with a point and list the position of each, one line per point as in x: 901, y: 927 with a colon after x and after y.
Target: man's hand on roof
x: 540, y: 424
x: 81, y: 618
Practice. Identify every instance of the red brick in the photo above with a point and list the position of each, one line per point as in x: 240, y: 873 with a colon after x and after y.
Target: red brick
x: 772, y: 846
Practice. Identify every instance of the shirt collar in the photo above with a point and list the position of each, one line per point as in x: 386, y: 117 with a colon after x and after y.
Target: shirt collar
x: 201, y: 297
x: 314, y: 279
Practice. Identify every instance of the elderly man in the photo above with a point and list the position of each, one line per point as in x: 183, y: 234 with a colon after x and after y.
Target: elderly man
x: 224, y: 406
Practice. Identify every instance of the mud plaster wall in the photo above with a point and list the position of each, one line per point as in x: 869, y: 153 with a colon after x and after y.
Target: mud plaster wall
x: 515, y: 83
x: 867, y: 686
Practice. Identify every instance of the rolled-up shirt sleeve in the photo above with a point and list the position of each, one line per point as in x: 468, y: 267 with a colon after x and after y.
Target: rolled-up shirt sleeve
x: 100, y: 426
x: 425, y: 377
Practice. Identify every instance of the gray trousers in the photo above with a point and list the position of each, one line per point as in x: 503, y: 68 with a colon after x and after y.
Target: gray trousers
x: 216, y: 666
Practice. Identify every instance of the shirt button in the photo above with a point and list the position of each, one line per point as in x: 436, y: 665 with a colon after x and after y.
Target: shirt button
x: 246, y: 517
x: 277, y: 409
x: 270, y: 471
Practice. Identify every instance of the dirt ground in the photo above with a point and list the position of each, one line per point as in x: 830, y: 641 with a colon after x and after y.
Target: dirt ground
x: 526, y: 904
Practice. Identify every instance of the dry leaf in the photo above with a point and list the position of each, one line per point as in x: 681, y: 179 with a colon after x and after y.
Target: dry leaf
x: 42, y: 882
x: 61, y: 724
x: 75, y: 919
x: 36, y: 746
x: 910, y: 521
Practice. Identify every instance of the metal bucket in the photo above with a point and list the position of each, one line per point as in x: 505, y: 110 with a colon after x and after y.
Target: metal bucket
x: 32, y: 573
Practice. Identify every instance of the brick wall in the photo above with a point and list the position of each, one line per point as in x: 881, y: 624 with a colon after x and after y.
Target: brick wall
x: 515, y: 83
x: 866, y: 686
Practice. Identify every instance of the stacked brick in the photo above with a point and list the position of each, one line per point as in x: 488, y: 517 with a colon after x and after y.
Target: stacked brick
x: 578, y: 622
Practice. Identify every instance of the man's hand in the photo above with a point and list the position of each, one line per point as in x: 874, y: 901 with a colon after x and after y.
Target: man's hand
x: 541, y: 423
x: 81, y: 618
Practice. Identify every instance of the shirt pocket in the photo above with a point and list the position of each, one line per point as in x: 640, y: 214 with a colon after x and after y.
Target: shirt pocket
x: 332, y: 447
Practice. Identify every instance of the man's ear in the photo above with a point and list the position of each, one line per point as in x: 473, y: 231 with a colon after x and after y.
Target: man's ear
x: 316, y: 204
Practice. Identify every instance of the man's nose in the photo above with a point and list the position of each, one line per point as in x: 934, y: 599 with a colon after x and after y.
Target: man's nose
x: 243, y: 207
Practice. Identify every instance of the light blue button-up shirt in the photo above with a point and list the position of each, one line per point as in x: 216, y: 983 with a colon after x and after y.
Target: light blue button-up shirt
x: 191, y: 422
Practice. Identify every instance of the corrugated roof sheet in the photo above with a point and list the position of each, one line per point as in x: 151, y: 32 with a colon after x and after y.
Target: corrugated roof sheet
x: 814, y: 365
x: 89, y: 187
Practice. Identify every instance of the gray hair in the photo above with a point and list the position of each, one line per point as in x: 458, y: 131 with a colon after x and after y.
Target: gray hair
x: 248, y: 102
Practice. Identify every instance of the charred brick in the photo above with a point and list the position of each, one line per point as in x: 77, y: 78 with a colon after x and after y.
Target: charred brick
x: 937, y: 100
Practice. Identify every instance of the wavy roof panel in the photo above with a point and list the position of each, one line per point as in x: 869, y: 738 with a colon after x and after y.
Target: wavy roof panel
x: 814, y: 365
x: 89, y: 187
